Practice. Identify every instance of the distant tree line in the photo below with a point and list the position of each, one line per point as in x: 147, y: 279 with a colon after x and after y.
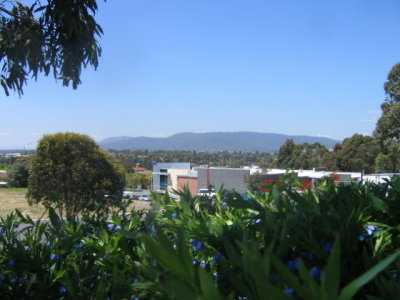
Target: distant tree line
x: 356, y: 153
x: 144, y: 158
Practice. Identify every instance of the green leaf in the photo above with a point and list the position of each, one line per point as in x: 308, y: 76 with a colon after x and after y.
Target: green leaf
x: 379, y: 204
x: 352, y: 288
x: 330, y: 280
x: 291, y: 279
x: 54, y: 218
x: 208, y: 288
x: 164, y: 254
x: 129, y: 234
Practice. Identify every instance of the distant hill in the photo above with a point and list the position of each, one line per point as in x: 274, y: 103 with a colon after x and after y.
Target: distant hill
x: 212, y: 141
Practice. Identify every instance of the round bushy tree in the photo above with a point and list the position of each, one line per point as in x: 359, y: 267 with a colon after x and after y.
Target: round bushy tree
x: 71, y: 172
x: 19, y: 173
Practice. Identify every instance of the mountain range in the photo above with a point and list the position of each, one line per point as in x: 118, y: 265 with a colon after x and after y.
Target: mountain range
x: 212, y: 141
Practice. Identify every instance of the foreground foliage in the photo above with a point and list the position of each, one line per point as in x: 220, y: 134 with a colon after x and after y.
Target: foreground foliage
x: 331, y: 243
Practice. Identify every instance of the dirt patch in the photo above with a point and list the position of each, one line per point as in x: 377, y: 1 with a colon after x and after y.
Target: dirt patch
x: 15, y: 198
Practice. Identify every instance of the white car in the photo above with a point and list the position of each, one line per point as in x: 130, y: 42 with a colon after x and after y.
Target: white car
x: 206, y: 192
x: 144, y: 198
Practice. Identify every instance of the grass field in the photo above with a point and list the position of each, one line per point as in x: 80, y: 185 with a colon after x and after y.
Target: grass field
x: 12, y: 198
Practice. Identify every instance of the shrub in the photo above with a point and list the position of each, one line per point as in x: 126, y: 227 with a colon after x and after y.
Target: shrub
x: 336, y: 242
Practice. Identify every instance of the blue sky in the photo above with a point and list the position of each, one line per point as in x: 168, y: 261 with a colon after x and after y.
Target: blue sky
x: 293, y: 67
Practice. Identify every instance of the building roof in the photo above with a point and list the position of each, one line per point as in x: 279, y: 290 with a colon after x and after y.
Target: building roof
x: 139, y: 169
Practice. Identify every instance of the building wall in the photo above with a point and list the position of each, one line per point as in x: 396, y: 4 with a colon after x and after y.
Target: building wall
x: 173, y: 177
x: 191, y: 182
x: 229, y: 178
x: 162, y: 170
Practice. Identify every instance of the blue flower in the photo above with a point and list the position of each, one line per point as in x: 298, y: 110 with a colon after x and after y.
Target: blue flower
x: 48, y: 244
x: 114, y: 227
x: 257, y: 221
x: 215, y: 274
x: 361, y: 238
x: 315, y: 272
x: 135, y: 280
x: 203, y: 264
x: 134, y: 298
x: 13, y: 281
x: 79, y: 246
x: 195, y: 261
x: 292, y: 265
x: 223, y: 203
x: 27, y: 248
x: 196, y: 245
x: 289, y: 292
x: 2, y: 278
x: 2, y: 231
x: 328, y: 247
x: 217, y: 257
x: 370, y: 229
x: 11, y: 263
x: 54, y: 257
x: 62, y: 289
x: 174, y: 215
x: 245, y: 197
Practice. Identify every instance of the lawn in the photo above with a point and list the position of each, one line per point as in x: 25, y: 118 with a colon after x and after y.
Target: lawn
x: 12, y: 198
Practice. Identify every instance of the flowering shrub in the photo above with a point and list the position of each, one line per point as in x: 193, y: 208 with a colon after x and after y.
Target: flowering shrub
x: 335, y: 242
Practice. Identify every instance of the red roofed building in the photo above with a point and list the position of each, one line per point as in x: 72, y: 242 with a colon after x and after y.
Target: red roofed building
x: 139, y: 170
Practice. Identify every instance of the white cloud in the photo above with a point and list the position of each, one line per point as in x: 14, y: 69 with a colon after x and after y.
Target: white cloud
x: 324, y: 135
x: 5, y: 133
x: 374, y: 112
x: 370, y: 120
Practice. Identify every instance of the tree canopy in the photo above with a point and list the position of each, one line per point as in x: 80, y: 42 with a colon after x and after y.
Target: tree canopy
x: 301, y: 156
x: 56, y: 38
x: 387, y: 130
x: 72, y: 173
x: 357, y: 153
x: 19, y: 172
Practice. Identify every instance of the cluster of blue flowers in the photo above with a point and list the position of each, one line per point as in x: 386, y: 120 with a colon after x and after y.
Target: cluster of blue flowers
x: 113, y: 227
x: 54, y: 257
x: 369, y: 230
x: 196, y: 245
x: 314, y: 271
x: 79, y: 245
x: 62, y: 290
x: 11, y: 263
x: 217, y: 257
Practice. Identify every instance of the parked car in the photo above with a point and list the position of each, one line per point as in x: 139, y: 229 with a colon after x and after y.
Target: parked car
x: 128, y: 194
x: 144, y: 198
x: 206, y: 192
